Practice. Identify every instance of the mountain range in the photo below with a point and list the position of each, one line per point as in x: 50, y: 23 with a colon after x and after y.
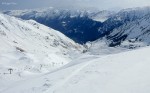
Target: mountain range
x: 80, y: 26
x: 85, y: 26
x: 74, y: 51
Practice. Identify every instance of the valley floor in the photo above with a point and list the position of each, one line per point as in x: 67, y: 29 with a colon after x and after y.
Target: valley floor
x: 125, y: 72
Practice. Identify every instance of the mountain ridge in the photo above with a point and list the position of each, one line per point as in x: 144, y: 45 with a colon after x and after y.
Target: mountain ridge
x: 28, y: 44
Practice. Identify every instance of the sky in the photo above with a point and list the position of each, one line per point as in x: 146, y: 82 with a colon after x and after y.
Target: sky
x: 100, y: 4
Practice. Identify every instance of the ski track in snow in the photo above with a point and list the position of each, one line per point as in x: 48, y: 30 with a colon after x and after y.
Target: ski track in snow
x: 57, y: 86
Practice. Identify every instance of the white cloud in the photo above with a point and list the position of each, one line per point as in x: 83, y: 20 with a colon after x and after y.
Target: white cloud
x: 101, y: 4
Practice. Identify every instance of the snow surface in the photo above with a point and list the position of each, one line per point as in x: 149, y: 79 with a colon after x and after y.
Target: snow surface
x: 102, y: 16
x: 126, y: 72
x: 31, y: 49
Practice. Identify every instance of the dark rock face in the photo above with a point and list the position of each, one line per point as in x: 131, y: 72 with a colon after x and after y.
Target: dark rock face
x: 80, y: 29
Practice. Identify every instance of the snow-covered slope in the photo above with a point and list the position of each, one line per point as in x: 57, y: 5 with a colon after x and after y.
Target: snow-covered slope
x: 131, y: 14
x: 123, y: 17
x: 128, y: 28
x: 27, y: 46
x: 132, y: 33
x: 102, y: 16
x: 116, y: 73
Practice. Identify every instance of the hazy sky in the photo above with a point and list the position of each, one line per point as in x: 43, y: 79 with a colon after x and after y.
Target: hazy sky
x: 101, y: 4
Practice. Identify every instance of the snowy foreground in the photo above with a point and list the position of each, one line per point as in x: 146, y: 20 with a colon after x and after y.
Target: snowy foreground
x: 126, y: 72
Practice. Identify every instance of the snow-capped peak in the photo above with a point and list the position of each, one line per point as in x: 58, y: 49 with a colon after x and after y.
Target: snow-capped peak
x: 51, y: 12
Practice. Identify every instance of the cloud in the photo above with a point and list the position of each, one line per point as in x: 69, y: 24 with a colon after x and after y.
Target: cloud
x: 101, y: 4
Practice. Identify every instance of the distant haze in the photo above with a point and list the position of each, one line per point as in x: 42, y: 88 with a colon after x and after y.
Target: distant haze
x: 100, y: 4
